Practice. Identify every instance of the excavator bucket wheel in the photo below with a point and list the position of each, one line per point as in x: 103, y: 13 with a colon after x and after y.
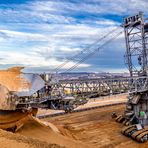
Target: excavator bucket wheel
x: 13, y: 120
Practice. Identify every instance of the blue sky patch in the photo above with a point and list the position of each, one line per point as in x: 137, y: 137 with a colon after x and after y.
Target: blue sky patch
x: 43, y: 34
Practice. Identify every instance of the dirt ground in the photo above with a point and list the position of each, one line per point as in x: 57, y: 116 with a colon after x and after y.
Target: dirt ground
x: 37, y: 134
x: 95, y: 128
x: 11, y: 140
x: 88, y: 129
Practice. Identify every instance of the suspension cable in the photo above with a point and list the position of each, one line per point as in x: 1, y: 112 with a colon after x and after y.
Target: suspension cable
x: 86, y: 49
x: 93, y: 52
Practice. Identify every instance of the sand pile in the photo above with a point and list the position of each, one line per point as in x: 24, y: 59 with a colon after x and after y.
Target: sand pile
x: 38, y: 134
x: 96, y: 128
x: 11, y: 140
x: 47, y: 132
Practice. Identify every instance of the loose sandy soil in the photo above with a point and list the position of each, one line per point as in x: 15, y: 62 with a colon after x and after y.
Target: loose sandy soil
x: 37, y: 134
x: 92, y: 128
x: 95, y: 128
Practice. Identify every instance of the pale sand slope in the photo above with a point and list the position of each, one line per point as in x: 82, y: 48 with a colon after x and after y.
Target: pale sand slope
x: 34, y: 129
x: 11, y: 140
x: 35, y: 134
x: 96, y: 128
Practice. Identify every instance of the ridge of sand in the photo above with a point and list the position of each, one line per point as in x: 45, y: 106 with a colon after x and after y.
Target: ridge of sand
x: 36, y: 134
x: 38, y: 130
x: 11, y: 140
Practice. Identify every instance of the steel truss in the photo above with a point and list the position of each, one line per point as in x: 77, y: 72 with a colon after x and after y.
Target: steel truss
x: 136, y: 37
x: 101, y: 87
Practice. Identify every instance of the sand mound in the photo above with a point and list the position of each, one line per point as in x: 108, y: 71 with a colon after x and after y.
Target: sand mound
x: 38, y: 130
x: 11, y: 140
x: 36, y: 133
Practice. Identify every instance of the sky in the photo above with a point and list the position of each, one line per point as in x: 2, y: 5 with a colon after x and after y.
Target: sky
x: 42, y: 34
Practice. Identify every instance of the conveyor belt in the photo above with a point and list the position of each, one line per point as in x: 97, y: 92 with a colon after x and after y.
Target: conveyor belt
x: 78, y: 110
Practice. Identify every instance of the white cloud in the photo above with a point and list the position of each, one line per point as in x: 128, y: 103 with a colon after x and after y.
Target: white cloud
x: 62, y: 28
x: 60, y: 44
x: 107, y: 22
x: 33, y: 60
x: 118, y: 7
x: 22, y: 35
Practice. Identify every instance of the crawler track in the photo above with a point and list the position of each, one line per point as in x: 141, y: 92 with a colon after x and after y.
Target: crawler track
x: 78, y: 110
x: 137, y: 135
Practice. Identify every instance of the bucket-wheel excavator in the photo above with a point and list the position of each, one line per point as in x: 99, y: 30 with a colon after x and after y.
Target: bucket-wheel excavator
x: 21, y: 94
x: 135, y: 117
